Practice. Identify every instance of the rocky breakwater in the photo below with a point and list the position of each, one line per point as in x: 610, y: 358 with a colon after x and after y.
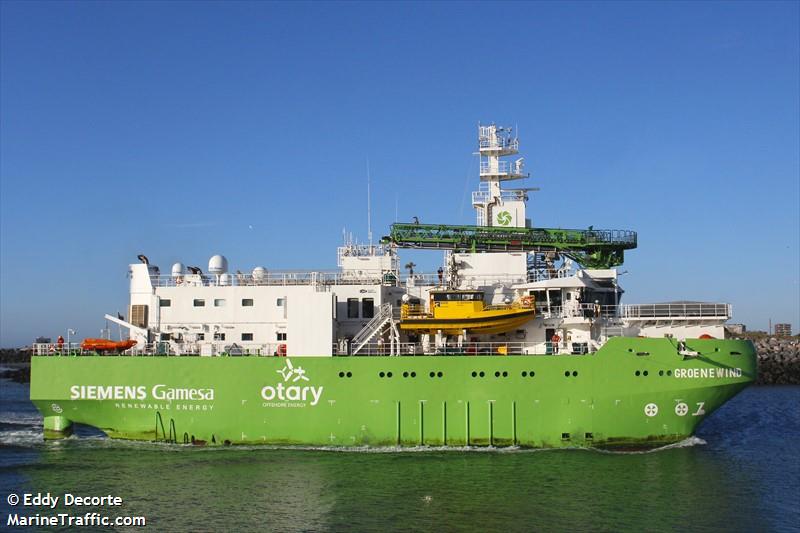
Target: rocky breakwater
x: 778, y: 360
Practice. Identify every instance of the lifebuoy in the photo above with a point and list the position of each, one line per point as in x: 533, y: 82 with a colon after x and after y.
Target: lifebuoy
x: 281, y: 350
x: 527, y: 301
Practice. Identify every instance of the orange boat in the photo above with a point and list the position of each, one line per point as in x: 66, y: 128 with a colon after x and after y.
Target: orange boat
x: 105, y: 345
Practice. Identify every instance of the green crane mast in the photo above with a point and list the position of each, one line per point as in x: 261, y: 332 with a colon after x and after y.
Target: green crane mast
x: 592, y: 248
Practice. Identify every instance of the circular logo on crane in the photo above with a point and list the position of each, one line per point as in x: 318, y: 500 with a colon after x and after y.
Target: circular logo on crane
x: 651, y: 409
x: 504, y: 218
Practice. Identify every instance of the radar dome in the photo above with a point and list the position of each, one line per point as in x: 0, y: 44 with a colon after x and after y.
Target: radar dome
x: 259, y: 273
x: 178, y: 269
x: 217, y: 265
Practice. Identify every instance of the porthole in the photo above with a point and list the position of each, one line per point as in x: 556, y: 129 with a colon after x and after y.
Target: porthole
x: 497, y: 374
x: 638, y: 373
x: 349, y: 374
x: 439, y: 374
x: 645, y: 372
x: 405, y: 374
x: 381, y: 374
x: 432, y: 374
x: 474, y: 374
x: 481, y: 374
x: 505, y: 374
x: 566, y: 374
x: 532, y: 373
x: 574, y: 373
x: 388, y: 374
x: 413, y: 374
x: 524, y: 374
x: 660, y: 372
x: 341, y: 374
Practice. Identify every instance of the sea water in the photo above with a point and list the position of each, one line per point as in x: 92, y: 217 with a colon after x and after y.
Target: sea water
x: 740, y: 473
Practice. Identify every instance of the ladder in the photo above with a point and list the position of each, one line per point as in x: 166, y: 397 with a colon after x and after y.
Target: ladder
x: 385, y: 315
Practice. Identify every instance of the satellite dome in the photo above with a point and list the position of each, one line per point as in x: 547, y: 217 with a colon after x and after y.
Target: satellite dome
x: 218, y: 265
x: 259, y: 273
x: 225, y: 279
x: 178, y: 269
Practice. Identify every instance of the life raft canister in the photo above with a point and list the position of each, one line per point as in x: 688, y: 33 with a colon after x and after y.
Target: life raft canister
x: 282, y: 350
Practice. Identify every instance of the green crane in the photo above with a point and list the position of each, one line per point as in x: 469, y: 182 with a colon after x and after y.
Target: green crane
x: 592, y: 248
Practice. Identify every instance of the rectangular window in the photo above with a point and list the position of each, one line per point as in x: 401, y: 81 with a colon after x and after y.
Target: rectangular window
x: 247, y: 336
x: 201, y: 336
x: 166, y: 336
x: 352, y: 308
x: 219, y: 302
x: 139, y: 316
x: 219, y: 336
x: 367, y: 308
x: 199, y: 303
x: 165, y: 303
x: 247, y: 302
x: 281, y: 336
x: 281, y: 302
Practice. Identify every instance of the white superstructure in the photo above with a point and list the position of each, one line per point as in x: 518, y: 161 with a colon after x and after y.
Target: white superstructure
x: 355, y: 310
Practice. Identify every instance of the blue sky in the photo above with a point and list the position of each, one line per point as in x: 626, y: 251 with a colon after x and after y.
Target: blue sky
x: 171, y: 128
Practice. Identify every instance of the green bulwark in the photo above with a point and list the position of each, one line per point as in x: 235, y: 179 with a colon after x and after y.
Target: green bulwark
x: 633, y: 392
x: 591, y: 248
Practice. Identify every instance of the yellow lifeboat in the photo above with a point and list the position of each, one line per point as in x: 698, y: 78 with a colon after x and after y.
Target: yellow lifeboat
x: 453, y: 312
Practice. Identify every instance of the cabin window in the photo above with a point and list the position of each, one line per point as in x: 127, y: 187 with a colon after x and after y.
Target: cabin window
x: 458, y: 297
x: 281, y: 336
x: 247, y: 302
x: 219, y: 302
x: 201, y: 336
x: 199, y: 303
x: 139, y: 316
x: 281, y: 302
x: 367, y: 308
x: 219, y: 336
x: 352, y: 308
x: 165, y: 303
x: 166, y: 336
x: 247, y: 336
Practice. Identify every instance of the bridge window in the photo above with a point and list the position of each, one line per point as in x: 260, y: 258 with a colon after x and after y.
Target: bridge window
x: 219, y: 336
x: 247, y: 336
x: 281, y: 336
x: 367, y: 308
x: 247, y: 302
x: 352, y: 308
x: 219, y: 302
x: 165, y: 303
x: 457, y: 296
x: 199, y: 303
x: 281, y: 302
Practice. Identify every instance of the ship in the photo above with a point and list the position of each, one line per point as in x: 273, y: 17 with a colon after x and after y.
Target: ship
x: 520, y: 338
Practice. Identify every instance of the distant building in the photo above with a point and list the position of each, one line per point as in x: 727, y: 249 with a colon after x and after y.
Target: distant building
x: 783, y: 330
x: 735, y: 329
x: 43, y: 340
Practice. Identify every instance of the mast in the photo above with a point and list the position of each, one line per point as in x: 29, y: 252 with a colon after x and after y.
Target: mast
x: 495, y: 206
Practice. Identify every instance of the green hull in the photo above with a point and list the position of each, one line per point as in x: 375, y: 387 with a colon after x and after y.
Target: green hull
x: 532, y: 401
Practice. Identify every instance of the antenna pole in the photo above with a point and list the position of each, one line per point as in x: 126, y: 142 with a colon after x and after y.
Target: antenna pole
x: 369, y: 208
